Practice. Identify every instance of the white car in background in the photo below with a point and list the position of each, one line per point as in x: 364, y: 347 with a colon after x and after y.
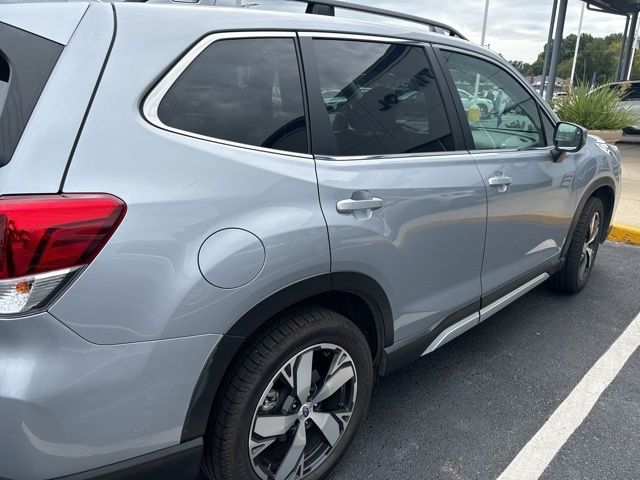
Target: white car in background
x: 631, y: 100
x: 468, y: 100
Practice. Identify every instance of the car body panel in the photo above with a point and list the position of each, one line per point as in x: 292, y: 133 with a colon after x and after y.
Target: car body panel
x: 68, y: 405
x: 146, y: 284
x: 528, y: 223
x: 433, y: 203
x: 38, y: 18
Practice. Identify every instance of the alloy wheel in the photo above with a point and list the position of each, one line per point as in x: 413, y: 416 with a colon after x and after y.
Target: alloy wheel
x: 303, y: 413
x: 590, y: 247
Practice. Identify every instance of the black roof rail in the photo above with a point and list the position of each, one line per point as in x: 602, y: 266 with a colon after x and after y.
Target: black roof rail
x: 327, y: 7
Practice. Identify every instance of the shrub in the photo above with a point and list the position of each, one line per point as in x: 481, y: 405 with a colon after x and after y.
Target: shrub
x: 598, y: 109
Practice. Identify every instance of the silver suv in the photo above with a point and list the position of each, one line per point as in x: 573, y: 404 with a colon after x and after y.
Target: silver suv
x: 217, y: 226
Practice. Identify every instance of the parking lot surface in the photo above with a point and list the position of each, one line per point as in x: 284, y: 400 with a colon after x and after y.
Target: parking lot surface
x: 468, y: 409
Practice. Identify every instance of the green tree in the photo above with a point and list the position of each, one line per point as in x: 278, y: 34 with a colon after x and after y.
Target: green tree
x: 523, y: 67
x: 596, y: 55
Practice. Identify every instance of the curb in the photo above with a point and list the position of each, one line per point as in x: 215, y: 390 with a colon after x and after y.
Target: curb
x: 625, y: 234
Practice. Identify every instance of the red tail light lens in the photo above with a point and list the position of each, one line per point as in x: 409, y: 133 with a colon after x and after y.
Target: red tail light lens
x: 44, y: 238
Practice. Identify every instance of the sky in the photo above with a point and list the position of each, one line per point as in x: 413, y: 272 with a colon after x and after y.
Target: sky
x: 517, y: 29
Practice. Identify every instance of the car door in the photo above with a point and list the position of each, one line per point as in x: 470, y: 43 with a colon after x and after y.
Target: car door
x: 404, y: 203
x: 530, y: 202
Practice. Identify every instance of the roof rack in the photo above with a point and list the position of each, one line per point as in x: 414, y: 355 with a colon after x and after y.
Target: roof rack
x: 327, y: 7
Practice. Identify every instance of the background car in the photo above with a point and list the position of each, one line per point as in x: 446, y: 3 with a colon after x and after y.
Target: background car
x: 630, y: 99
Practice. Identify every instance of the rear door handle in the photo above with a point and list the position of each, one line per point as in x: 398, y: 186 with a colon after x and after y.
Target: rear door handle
x: 501, y: 183
x: 350, y: 205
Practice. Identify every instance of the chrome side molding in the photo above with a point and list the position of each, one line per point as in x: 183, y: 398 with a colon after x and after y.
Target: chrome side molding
x: 499, y: 304
x: 454, y: 331
x: 471, y: 321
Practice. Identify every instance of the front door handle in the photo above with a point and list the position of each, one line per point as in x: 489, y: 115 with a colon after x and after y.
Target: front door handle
x: 350, y: 205
x: 500, y: 183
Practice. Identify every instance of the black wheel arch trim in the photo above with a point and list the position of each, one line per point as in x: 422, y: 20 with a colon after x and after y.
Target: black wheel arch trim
x: 410, y: 349
x: 223, y: 355
x: 586, y: 195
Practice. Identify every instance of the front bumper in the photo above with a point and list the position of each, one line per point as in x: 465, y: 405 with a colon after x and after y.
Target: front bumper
x: 70, y: 406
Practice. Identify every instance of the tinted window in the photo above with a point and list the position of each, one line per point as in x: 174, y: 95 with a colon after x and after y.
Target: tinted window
x: 501, y: 112
x: 26, y: 61
x: 4, y: 80
x: 246, y: 91
x: 381, y: 98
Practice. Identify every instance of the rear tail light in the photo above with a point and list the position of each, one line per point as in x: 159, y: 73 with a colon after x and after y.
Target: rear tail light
x: 46, y: 239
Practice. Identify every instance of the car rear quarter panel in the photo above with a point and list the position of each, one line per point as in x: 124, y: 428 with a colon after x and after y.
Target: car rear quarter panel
x: 67, y: 405
x: 146, y: 284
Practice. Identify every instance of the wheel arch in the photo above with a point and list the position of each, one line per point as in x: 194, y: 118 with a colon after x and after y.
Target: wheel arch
x: 603, y: 188
x: 356, y: 296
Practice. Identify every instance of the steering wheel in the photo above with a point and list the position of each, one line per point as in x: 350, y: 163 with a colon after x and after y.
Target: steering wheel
x: 516, y: 141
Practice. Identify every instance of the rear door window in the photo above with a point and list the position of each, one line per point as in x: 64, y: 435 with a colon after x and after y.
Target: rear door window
x: 26, y: 62
x: 246, y: 91
x: 381, y: 98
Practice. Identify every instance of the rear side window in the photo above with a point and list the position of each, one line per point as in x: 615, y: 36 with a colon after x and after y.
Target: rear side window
x: 245, y: 91
x: 4, y: 80
x: 26, y: 62
x: 381, y: 98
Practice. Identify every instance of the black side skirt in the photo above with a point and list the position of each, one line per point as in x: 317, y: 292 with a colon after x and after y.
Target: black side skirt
x: 181, y: 462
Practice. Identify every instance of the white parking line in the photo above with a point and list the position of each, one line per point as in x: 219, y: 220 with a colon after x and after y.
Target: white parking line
x: 536, y: 455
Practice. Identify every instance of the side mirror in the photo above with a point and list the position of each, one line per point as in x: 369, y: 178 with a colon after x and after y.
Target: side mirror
x: 568, y: 138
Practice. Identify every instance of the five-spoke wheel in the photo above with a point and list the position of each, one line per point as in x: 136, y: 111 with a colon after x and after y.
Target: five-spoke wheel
x: 590, y: 247
x: 583, y: 249
x: 294, y: 402
x: 303, y: 413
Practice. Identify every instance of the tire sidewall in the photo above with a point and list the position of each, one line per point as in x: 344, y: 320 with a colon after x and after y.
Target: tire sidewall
x: 340, y: 332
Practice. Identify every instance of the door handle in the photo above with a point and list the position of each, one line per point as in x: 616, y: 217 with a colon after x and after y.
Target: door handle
x: 350, y: 205
x: 501, y: 183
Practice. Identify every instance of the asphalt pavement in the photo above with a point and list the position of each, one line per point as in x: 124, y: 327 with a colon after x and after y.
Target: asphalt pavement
x: 467, y: 410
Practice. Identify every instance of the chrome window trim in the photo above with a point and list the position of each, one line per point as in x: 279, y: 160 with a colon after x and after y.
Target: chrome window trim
x: 477, y: 152
x: 392, y: 156
x: 361, y: 38
x: 153, y: 99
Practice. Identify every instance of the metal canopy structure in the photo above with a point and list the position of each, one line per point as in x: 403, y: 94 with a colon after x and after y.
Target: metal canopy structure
x: 627, y: 8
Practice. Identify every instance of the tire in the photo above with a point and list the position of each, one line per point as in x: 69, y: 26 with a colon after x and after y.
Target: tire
x: 266, y: 383
x: 583, y: 249
x: 484, y: 111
